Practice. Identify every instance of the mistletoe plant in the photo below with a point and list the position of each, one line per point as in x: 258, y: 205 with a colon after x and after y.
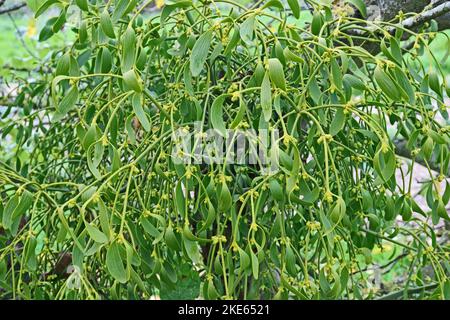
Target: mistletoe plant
x: 93, y: 205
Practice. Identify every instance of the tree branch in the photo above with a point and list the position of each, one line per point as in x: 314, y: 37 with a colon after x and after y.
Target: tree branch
x: 427, y: 15
x: 398, y: 294
x: 11, y: 9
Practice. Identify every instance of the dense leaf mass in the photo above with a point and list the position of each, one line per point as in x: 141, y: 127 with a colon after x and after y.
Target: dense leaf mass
x: 93, y: 205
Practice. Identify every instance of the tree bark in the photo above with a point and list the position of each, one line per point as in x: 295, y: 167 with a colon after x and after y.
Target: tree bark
x: 387, y: 10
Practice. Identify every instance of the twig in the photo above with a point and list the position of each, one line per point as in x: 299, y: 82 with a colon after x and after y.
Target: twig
x: 388, y: 239
x: 414, y: 21
x: 427, y: 15
x: 383, y: 266
x: 399, y: 293
x: 13, y: 8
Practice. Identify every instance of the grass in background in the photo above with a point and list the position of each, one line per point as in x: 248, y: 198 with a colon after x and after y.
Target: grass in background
x: 19, y: 44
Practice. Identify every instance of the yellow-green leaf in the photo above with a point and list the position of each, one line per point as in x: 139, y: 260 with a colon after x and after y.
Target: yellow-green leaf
x: 276, y: 73
x: 96, y: 234
x: 128, y: 49
x: 139, y: 111
x: 200, y: 53
x: 132, y: 80
x: 217, y: 115
x: 386, y: 84
x: 266, y: 97
x: 106, y: 24
x: 295, y: 7
x: 115, y: 264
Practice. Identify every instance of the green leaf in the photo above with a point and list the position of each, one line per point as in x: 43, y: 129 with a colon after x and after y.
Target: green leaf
x: 233, y: 42
x: 290, y: 56
x: 139, y: 111
x: 435, y: 85
x: 83, y: 4
x: 255, y: 265
x: 106, y: 60
x: 290, y: 261
x: 437, y: 138
x: 396, y: 52
x: 276, y: 73
x: 217, y: 115
x: 295, y: 7
x: 47, y: 31
x: 96, y: 234
x: 170, y: 238
x: 90, y: 137
x: 273, y: 4
x: 149, y: 227
x: 179, y: 200
x: 44, y: 7
x: 103, y: 217
x: 360, y: 5
x: 338, y: 211
x: 63, y: 66
x: 200, y: 53
x: 407, y: 89
x: 34, y: 4
x: 354, y: 82
x: 338, y: 122
x: 244, y: 260
x: 389, y: 211
x: 446, y: 289
x: 240, y: 114
x: 314, y: 91
x: 316, y: 23
x: 385, y: 164
x: 367, y: 255
x: 266, y: 97
x: 386, y: 84
x: 293, y: 176
x: 428, y: 147
x: 212, y: 291
x: 106, y: 24
x: 115, y: 264
x: 123, y: 7
x: 275, y: 189
x: 59, y: 22
x: 247, y: 30
x: 11, y: 205
x: 211, y: 216
x: 132, y: 80
x: 69, y: 101
x: 29, y: 255
x: 225, y: 200
x: 336, y: 74
x: 441, y: 210
x: 128, y: 49
x: 170, y: 7
x: 24, y: 203
x: 192, y: 251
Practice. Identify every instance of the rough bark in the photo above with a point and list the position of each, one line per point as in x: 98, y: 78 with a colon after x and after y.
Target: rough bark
x: 387, y: 10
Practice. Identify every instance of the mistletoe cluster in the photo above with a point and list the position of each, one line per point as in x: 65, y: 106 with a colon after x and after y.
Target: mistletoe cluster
x: 93, y: 206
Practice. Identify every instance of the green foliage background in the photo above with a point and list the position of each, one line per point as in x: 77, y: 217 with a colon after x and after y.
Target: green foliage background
x: 83, y: 186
